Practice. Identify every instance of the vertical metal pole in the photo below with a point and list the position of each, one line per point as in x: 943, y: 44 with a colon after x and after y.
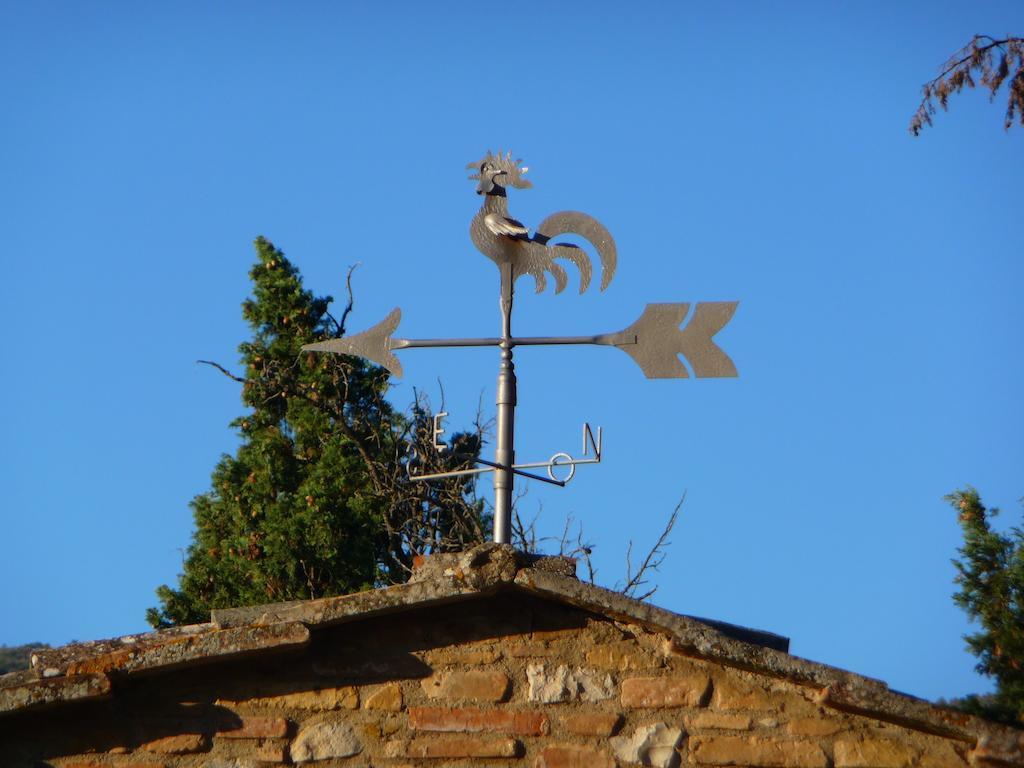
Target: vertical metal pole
x: 506, y: 402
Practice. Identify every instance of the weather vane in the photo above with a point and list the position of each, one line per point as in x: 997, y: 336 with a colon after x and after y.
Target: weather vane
x: 654, y: 341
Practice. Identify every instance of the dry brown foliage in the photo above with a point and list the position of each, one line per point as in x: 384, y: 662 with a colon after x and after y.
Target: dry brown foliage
x: 986, y: 60
x: 635, y: 584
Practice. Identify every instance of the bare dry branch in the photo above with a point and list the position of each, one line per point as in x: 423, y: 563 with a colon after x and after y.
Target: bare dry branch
x: 524, y: 535
x: 339, y: 326
x: 351, y: 299
x: 223, y: 370
x: 651, y: 563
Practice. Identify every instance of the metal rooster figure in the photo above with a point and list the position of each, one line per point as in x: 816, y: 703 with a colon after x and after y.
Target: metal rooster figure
x: 655, y: 341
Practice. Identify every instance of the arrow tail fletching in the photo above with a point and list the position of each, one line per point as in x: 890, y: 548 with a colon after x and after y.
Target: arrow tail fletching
x: 373, y: 344
x: 708, y: 360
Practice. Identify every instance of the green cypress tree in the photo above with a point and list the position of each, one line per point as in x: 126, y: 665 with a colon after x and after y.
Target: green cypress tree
x: 316, y: 500
x: 991, y: 579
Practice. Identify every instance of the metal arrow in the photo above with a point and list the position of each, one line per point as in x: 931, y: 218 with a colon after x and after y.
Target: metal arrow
x: 654, y: 341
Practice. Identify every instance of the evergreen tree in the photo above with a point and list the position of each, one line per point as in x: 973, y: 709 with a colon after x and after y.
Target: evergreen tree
x: 316, y: 500
x: 14, y: 658
x: 991, y: 579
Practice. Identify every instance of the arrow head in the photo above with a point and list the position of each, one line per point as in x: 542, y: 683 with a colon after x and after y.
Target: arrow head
x: 656, y: 340
x: 373, y: 344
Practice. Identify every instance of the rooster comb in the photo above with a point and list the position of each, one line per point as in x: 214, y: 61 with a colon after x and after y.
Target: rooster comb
x: 513, y: 172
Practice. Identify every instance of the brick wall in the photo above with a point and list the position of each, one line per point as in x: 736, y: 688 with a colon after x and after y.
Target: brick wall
x: 503, y: 681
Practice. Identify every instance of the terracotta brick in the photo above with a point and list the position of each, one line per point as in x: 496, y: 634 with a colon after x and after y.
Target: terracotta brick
x: 529, y: 650
x: 271, y: 752
x: 391, y: 725
x: 542, y: 635
x: 472, y: 685
x: 941, y: 753
x: 180, y: 744
x: 873, y: 753
x: 572, y: 756
x: 688, y: 691
x: 467, y: 655
x: 529, y: 723
x: 593, y: 723
x: 814, y: 726
x: 733, y: 693
x: 258, y: 728
x: 623, y: 656
x: 387, y: 698
x: 320, y: 699
x: 536, y: 650
x: 474, y: 656
x: 722, y: 720
x: 453, y: 747
x: 738, y: 750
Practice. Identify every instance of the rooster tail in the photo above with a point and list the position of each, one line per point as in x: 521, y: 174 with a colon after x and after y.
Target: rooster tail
x: 576, y: 223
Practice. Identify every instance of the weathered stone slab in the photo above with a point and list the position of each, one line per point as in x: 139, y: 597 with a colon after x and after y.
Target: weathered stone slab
x: 51, y: 662
x: 19, y: 677
x: 39, y: 693
x: 387, y: 698
x: 322, y: 741
x: 336, y: 610
x: 550, y: 684
x: 653, y: 745
x: 851, y: 695
x: 191, y: 648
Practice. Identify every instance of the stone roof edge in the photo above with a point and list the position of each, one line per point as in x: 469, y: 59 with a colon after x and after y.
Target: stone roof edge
x: 359, y: 605
x: 30, y: 693
x: 836, y: 688
x: 86, y: 670
x: 443, y: 579
x: 83, y: 670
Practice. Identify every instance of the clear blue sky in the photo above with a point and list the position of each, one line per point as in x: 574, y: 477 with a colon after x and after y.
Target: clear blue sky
x: 748, y: 151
